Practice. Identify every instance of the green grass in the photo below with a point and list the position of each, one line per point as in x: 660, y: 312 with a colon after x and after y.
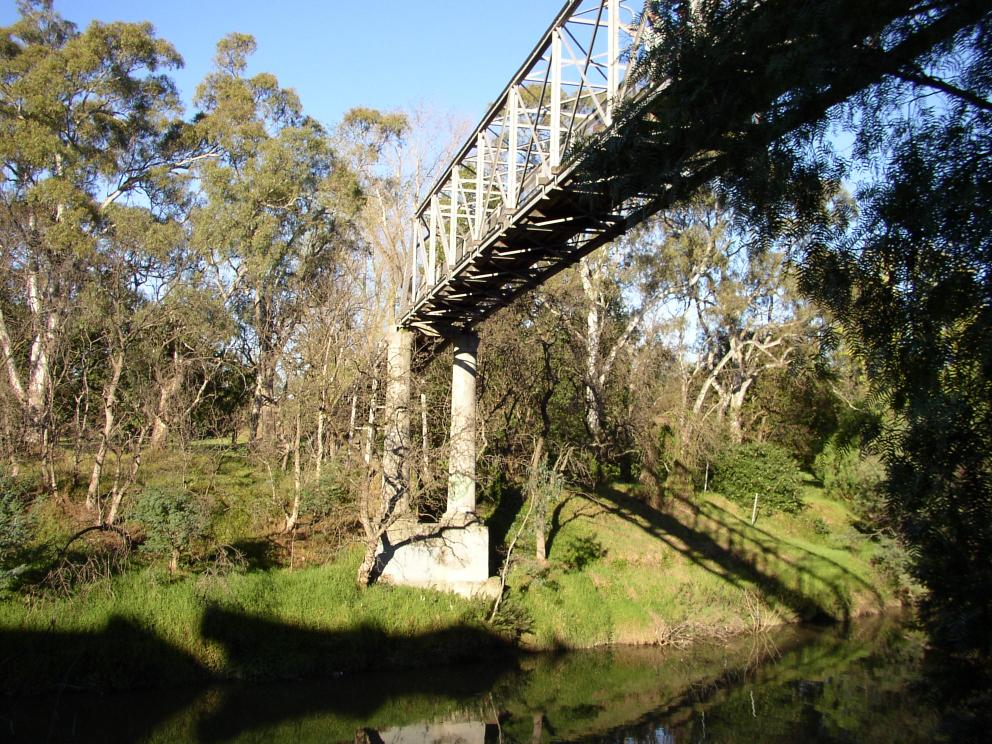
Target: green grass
x: 269, y: 624
x: 697, y: 569
x: 618, y: 572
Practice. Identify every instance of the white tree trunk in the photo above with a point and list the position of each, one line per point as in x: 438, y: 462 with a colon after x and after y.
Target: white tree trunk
x: 160, y: 427
x: 109, y: 415
x: 594, y: 331
x: 33, y: 395
x: 294, y: 516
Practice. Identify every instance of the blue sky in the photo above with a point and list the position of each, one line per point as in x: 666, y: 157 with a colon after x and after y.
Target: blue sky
x: 336, y: 54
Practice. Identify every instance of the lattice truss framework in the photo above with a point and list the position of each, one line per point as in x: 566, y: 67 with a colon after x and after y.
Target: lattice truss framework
x: 508, y: 212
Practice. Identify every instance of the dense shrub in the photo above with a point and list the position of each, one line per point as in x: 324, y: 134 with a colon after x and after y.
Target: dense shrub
x: 759, y: 468
x: 15, y: 520
x: 174, y: 520
x: 329, y: 495
x: 848, y: 474
x: 579, y: 551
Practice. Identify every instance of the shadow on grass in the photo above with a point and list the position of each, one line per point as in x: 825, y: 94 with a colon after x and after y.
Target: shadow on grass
x: 727, y: 546
x: 125, y: 656
x: 557, y: 522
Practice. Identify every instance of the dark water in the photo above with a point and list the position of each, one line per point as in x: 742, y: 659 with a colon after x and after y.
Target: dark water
x: 868, y: 683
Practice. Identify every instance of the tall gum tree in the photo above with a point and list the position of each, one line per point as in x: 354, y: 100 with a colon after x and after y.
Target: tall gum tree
x: 749, y: 316
x: 87, y: 120
x: 276, y: 207
x: 139, y: 315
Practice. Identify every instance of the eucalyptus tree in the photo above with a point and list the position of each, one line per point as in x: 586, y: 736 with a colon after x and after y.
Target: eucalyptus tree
x: 396, y: 156
x: 375, y: 146
x: 623, y: 286
x: 749, y: 316
x: 150, y: 323
x: 88, y: 120
x: 276, y: 212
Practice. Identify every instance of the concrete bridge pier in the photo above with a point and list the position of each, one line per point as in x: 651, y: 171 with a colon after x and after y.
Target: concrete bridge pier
x: 461, y: 445
x: 451, y: 554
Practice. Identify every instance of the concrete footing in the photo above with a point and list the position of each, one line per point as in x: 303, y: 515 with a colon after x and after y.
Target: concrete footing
x: 450, y: 555
x: 451, y: 732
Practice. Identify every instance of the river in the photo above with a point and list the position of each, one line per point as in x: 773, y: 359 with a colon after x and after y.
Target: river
x: 863, y: 683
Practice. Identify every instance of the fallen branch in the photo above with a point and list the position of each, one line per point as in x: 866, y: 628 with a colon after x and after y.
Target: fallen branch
x: 128, y: 541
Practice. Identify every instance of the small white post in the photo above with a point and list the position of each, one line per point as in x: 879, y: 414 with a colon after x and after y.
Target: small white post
x: 754, y: 510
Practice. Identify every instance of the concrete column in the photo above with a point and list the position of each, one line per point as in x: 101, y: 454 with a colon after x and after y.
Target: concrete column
x: 461, y: 457
x: 396, y: 424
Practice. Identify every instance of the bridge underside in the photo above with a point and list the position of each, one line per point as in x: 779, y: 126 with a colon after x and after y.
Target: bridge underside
x: 558, y: 226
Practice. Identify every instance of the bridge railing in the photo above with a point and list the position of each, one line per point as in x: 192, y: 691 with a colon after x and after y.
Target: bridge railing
x: 566, y: 90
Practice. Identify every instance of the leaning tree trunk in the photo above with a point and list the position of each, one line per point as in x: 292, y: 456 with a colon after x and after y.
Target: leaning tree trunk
x: 121, y: 488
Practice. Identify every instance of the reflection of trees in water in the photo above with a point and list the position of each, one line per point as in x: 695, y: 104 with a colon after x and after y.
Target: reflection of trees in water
x: 791, y: 684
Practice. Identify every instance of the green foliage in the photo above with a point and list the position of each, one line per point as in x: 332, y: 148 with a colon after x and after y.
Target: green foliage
x: 797, y: 408
x: 907, y: 279
x: 579, y: 551
x: 174, y: 520
x: 893, y: 560
x: 911, y: 289
x: 848, y: 474
x: 760, y: 468
x: 16, y: 524
x: 819, y: 526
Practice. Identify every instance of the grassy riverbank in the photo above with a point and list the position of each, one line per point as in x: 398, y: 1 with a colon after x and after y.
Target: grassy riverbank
x: 618, y: 572
x: 623, y: 572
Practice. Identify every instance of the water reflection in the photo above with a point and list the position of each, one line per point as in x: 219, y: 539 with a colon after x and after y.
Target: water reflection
x: 792, y: 685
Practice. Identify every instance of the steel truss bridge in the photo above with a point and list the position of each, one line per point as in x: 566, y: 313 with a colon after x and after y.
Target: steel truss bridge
x: 514, y: 207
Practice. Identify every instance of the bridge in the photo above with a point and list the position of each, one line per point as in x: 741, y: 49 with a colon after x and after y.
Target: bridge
x: 556, y: 168
x: 513, y: 208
